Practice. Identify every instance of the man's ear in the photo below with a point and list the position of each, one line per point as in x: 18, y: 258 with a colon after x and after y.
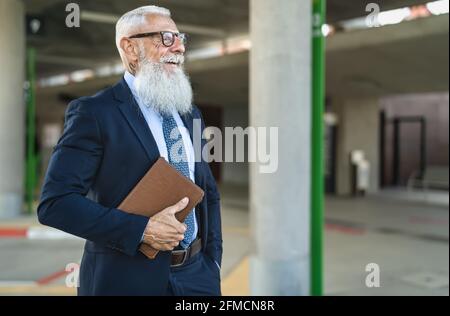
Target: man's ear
x: 130, y: 49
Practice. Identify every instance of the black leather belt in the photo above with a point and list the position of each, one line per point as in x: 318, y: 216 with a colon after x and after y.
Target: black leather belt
x: 179, y: 257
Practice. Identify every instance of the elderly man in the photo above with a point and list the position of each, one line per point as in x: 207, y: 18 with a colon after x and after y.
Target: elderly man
x: 110, y: 141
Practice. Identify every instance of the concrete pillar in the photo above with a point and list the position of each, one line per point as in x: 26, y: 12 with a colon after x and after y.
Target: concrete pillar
x: 280, y: 96
x: 12, y: 107
x: 358, y: 128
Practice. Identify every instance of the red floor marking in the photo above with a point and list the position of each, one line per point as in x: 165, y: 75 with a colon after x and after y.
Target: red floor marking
x: 13, y: 232
x: 345, y: 230
x: 52, y: 277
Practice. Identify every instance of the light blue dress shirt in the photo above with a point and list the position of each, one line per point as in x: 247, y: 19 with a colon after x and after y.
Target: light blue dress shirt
x: 154, y: 121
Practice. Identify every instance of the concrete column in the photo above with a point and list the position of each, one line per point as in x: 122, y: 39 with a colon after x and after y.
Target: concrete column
x: 358, y: 128
x: 12, y: 107
x: 280, y: 80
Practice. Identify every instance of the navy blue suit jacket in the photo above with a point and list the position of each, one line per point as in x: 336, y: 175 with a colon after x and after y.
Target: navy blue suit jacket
x: 106, y: 148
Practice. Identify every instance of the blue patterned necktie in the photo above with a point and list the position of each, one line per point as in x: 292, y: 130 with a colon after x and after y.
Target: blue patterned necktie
x: 178, y: 159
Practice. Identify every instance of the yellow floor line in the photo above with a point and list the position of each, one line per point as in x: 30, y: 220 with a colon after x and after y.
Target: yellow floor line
x: 237, y: 282
x: 37, y: 290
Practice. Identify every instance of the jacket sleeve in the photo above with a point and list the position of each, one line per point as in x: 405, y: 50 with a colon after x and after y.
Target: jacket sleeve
x: 214, y: 247
x: 70, y: 174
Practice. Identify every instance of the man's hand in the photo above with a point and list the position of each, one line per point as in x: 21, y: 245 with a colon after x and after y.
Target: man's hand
x: 164, y: 232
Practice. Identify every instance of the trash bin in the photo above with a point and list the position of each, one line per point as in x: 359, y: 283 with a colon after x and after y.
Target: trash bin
x: 360, y: 173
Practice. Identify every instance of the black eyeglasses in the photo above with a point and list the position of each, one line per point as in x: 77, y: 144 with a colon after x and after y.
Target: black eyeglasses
x: 167, y: 38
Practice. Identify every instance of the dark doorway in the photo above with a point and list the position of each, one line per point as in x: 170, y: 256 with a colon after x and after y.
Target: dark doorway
x: 213, y: 116
x: 382, y: 147
x: 409, y: 155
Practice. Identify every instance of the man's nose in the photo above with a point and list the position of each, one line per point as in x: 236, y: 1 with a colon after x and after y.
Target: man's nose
x: 178, y: 46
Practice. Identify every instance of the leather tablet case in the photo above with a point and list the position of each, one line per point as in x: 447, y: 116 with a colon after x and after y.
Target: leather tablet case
x: 161, y: 187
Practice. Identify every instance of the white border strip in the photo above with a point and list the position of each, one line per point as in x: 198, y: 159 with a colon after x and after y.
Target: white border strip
x: 47, y: 233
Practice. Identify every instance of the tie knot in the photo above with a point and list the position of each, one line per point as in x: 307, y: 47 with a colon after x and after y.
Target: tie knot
x: 167, y: 116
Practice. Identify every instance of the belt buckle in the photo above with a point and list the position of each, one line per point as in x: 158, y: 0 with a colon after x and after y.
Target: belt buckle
x: 184, y: 251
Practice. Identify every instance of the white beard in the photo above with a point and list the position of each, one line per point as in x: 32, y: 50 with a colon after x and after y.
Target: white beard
x: 163, y: 91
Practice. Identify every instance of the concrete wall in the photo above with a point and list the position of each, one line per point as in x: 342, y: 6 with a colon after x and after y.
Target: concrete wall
x: 358, y: 128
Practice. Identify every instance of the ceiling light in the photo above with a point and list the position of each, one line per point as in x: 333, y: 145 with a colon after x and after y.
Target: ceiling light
x: 438, y: 7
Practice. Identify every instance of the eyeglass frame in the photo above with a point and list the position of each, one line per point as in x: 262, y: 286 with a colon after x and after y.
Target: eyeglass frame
x: 151, y: 34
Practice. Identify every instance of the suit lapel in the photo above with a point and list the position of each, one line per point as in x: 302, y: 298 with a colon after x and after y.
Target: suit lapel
x: 132, y: 113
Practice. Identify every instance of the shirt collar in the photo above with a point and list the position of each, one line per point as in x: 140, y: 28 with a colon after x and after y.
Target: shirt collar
x: 129, y: 79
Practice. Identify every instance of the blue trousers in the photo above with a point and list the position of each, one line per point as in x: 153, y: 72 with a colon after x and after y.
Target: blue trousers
x: 199, y: 276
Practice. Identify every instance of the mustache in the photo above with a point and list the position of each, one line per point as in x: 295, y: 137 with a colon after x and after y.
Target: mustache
x: 175, y: 58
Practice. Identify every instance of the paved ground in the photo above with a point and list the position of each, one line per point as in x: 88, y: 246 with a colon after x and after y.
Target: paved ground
x: 407, y: 239
x: 409, y: 242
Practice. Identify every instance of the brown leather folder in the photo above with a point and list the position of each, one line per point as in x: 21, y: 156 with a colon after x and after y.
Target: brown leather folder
x: 161, y: 187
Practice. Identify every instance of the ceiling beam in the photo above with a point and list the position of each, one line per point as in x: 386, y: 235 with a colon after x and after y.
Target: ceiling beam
x: 67, y: 61
x: 100, y: 17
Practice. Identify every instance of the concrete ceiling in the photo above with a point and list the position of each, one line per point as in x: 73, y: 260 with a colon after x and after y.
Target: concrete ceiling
x: 404, y: 58
x: 61, y: 49
x: 411, y: 57
x: 66, y: 49
x: 339, y: 10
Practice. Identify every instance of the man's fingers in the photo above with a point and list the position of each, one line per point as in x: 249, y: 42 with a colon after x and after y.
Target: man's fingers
x: 162, y: 246
x: 157, y: 246
x: 174, y: 237
x: 165, y: 225
x: 168, y: 239
x: 176, y: 227
x: 180, y: 228
x: 168, y: 247
x: 180, y: 205
x: 172, y: 226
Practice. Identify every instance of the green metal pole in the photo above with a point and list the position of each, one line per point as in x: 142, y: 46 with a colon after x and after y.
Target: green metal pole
x: 30, y: 181
x: 317, y: 162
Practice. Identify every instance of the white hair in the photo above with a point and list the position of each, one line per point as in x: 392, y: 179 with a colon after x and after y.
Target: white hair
x: 131, y: 21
